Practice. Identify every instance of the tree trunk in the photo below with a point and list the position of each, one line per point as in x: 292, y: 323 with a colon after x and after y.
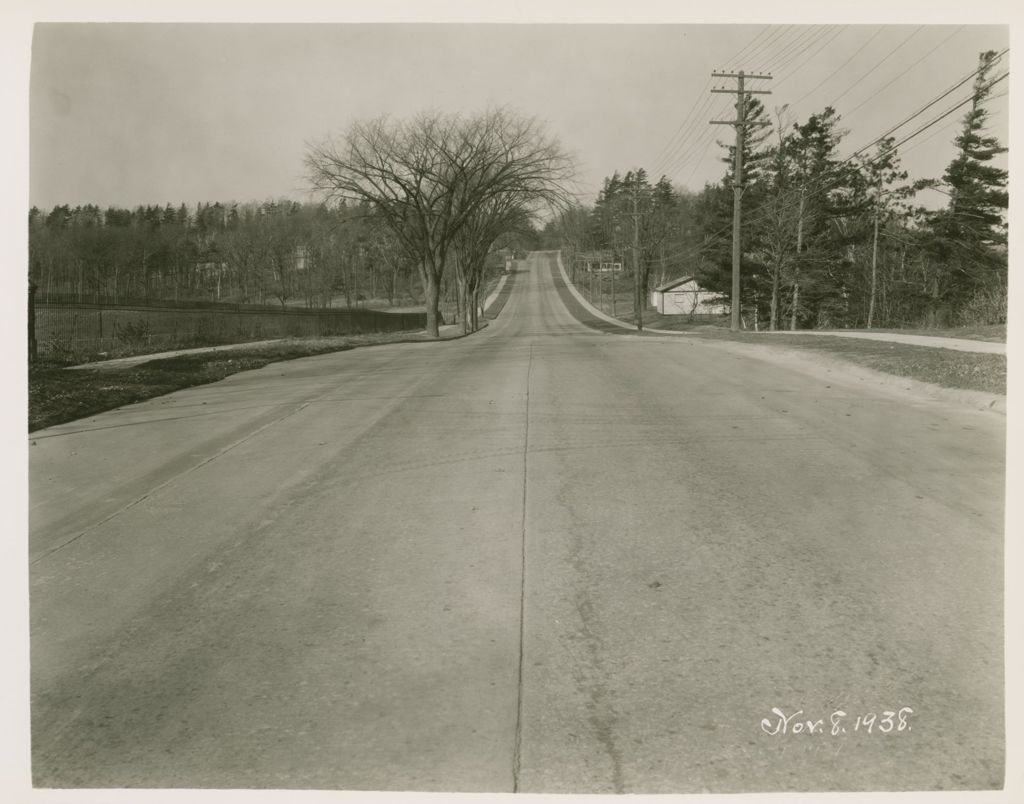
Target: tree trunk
x: 462, y: 303
x: 796, y: 302
x: 613, y: 291
x: 638, y: 280
x: 796, y: 269
x: 874, y: 275
x: 773, y: 315
x: 431, y: 294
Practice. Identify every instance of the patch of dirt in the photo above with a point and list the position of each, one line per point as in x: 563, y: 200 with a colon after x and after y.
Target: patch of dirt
x: 821, y: 364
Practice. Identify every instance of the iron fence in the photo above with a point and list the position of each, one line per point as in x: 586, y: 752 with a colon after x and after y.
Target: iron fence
x: 81, y: 329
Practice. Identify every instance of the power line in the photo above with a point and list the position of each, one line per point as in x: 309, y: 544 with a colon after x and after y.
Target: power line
x: 741, y: 52
x: 875, y: 94
x: 794, y: 44
x: 840, y: 67
x: 764, y: 46
x: 931, y: 103
x: 780, y: 60
x: 693, y: 115
x: 678, y: 140
x: 684, y: 155
x: 718, y: 235
x: 706, y: 140
x: 936, y: 119
x: 668, y: 159
x: 691, y: 130
x: 879, y: 64
x: 840, y: 31
x: 789, y: 53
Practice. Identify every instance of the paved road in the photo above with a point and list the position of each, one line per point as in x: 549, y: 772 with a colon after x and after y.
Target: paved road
x: 544, y: 558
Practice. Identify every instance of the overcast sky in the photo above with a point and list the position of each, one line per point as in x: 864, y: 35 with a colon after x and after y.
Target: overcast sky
x: 127, y: 114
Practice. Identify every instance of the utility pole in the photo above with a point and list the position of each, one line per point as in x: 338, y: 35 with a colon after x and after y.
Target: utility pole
x: 741, y: 124
x: 613, y: 288
x: 638, y: 299
x: 874, y: 256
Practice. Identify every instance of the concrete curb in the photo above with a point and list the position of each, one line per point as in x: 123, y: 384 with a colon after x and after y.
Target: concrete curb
x: 602, y: 315
x: 491, y: 299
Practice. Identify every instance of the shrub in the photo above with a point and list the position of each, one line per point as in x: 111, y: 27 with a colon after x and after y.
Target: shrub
x: 986, y: 306
x: 133, y: 333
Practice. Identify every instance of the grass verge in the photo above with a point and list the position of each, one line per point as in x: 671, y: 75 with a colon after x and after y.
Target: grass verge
x: 951, y: 369
x: 993, y: 333
x: 57, y: 395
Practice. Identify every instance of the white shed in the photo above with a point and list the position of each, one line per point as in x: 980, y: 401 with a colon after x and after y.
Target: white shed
x: 685, y: 297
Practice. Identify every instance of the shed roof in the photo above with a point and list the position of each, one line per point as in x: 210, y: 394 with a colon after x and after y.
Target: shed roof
x: 673, y: 283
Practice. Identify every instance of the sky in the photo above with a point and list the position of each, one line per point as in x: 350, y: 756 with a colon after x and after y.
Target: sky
x: 156, y: 113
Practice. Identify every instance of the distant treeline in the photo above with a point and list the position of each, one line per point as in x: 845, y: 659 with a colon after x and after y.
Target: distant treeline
x: 276, y: 252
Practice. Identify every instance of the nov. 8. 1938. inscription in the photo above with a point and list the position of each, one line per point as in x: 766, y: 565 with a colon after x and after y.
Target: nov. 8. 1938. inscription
x: 838, y: 722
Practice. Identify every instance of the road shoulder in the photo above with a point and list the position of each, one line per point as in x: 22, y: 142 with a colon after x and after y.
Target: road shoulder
x: 826, y: 366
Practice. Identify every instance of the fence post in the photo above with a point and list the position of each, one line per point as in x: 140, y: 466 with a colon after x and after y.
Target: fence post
x: 32, y: 348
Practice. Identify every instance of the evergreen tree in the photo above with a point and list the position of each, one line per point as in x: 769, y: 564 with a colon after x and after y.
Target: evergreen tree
x: 969, y: 235
x: 883, y: 196
x: 715, y: 213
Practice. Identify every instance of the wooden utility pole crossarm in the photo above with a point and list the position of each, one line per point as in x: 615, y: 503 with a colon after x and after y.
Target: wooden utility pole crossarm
x: 741, y: 124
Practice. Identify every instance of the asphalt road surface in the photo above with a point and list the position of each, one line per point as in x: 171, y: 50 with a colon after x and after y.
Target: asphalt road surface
x: 545, y: 558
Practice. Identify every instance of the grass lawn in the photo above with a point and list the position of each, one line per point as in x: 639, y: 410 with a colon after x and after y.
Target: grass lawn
x: 58, y: 394
x: 951, y: 369
x: 994, y: 333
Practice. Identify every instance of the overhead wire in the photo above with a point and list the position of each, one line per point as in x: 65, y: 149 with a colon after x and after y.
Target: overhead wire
x: 741, y: 53
x: 891, y: 53
x: 840, y: 30
x: 699, y: 146
x: 805, y: 33
x: 934, y: 120
x: 931, y: 103
x: 835, y: 71
x: 891, y: 81
x: 678, y: 156
x: 686, y: 129
x: 772, y: 41
x: 718, y: 235
x: 690, y: 129
x: 789, y: 53
x: 798, y: 47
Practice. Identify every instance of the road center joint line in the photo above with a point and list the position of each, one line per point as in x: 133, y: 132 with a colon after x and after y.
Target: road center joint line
x: 518, y: 738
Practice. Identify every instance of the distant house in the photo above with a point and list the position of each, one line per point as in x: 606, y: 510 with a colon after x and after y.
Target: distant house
x: 685, y: 297
x: 598, y: 261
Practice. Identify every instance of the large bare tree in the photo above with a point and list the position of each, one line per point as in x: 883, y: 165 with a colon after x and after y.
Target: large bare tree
x: 431, y: 176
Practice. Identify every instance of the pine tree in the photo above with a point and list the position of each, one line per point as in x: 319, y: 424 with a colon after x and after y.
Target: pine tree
x: 969, y: 235
x: 825, y: 194
x: 715, y: 212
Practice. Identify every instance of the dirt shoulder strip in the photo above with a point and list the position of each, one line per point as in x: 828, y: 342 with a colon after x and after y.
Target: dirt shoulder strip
x: 934, y: 341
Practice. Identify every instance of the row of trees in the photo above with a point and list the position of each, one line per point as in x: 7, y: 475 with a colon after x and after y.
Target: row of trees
x: 284, y: 252
x: 827, y: 241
